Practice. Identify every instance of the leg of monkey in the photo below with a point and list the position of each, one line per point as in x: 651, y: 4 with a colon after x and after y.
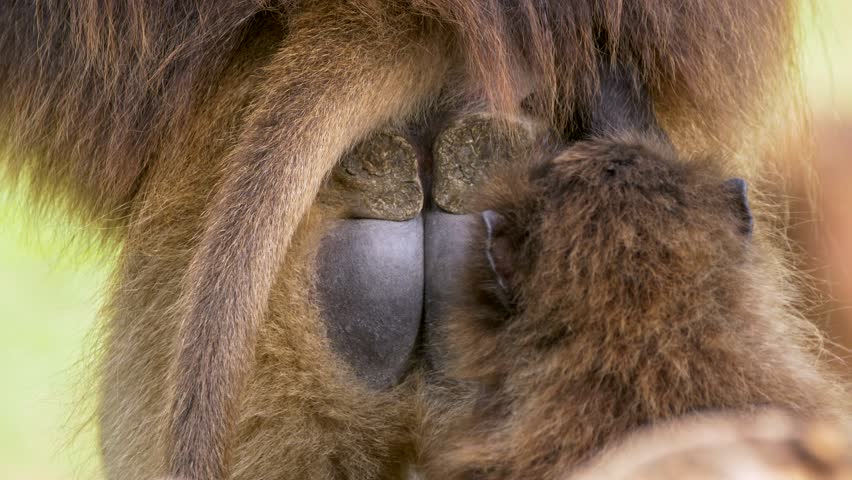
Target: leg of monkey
x: 140, y: 318
x: 301, y: 416
x: 336, y: 73
x: 269, y: 182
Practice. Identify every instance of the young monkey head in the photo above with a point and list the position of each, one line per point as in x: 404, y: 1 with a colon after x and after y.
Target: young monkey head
x: 614, y: 286
x: 611, y: 239
x: 612, y: 227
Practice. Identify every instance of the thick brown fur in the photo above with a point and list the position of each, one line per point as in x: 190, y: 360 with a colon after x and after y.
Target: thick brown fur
x: 623, y: 289
x: 200, y: 132
x: 93, y: 89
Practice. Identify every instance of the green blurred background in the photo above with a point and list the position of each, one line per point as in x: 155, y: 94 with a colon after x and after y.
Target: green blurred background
x: 50, y: 291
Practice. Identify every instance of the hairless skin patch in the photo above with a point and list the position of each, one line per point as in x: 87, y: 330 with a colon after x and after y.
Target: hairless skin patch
x: 446, y: 244
x: 371, y: 292
x: 387, y: 274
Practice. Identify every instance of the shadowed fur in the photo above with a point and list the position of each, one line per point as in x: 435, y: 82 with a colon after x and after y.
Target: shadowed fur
x: 200, y: 132
x: 93, y: 89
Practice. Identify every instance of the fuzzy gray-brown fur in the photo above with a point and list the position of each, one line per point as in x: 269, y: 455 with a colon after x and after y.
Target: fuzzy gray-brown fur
x: 199, y: 132
x: 622, y: 288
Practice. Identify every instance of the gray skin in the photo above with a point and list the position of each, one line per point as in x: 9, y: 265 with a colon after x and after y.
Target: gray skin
x: 379, y: 280
x: 371, y: 292
x: 383, y: 283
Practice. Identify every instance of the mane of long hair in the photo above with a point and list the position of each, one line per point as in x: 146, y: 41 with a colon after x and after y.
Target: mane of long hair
x: 90, y: 88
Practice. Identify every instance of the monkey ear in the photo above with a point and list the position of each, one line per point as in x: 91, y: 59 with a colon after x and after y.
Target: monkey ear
x: 738, y: 189
x: 498, y: 251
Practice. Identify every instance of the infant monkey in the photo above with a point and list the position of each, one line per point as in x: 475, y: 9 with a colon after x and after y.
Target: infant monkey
x: 615, y: 286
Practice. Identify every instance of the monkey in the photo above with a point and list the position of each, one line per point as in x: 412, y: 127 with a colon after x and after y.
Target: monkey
x: 610, y: 285
x: 195, y: 137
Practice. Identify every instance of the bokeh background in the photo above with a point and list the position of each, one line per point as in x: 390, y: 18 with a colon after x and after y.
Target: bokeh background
x: 50, y: 285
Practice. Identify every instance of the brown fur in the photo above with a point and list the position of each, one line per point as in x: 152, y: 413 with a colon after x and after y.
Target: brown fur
x: 199, y: 133
x: 635, y: 295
